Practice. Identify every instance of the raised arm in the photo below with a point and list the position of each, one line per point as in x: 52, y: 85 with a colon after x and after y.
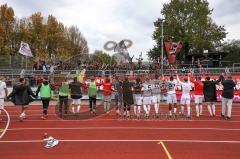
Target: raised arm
x: 219, y: 79
x: 178, y: 80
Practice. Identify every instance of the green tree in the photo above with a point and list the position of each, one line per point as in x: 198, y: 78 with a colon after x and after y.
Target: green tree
x: 189, y: 21
x: 233, y: 50
x: 78, y: 44
x: 101, y: 57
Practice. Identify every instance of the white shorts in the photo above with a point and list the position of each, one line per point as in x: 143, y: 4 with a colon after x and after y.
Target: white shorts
x: 185, y: 99
x: 107, y: 99
x: 76, y: 101
x: 171, y: 99
x: 138, y: 99
x: 198, y: 99
x: 147, y: 100
x: 1, y: 103
x: 156, y: 99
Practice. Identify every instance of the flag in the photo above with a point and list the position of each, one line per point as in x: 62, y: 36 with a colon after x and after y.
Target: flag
x: 25, y: 49
x: 172, y: 49
x: 81, y: 76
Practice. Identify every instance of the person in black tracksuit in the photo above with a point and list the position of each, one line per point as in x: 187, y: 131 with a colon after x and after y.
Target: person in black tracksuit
x: 76, y: 95
x: 227, y: 96
x: 127, y: 96
x: 210, y: 94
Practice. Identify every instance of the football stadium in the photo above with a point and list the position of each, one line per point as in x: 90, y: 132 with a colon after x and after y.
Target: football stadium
x: 119, y: 79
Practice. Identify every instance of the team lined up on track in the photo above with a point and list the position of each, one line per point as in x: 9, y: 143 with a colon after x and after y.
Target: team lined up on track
x: 137, y: 95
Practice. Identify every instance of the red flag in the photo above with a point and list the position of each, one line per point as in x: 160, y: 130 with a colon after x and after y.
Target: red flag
x: 172, y: 49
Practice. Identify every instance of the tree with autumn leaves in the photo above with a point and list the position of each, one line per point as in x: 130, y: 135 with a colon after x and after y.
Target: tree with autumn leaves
x: 46, y: 36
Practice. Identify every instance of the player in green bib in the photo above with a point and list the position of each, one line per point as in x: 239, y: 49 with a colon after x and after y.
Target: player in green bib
x: 45, y: 94
x: 92, y: 93
x: 63, y: 96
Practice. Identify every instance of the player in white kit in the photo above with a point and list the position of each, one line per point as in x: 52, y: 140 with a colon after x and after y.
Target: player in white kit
x: 171, y: 95
x: 185, y: 98
x: 3, y: 93
x: 156, y: 97
x: 147, y: 96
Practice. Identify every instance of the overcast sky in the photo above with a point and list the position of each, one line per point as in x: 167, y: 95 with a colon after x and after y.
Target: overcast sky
x: 104, y: 20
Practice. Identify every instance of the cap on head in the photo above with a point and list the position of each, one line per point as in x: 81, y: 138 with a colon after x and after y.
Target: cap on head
x: 171, y: 78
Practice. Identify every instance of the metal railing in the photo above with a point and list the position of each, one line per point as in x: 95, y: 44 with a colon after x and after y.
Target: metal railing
x: 12, y: 75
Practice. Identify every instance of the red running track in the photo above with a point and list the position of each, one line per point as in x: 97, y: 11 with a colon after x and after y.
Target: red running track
x: 107, y: 137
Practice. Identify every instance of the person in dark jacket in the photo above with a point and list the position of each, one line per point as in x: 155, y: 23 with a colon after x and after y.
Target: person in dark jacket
x: 210, y: 94
x: 45, y: 89
x: 21, y: 95
x: 76, y: 95
x: 117, y: 93
x: 137, y: 89
x: 227, y: 96
x: 127, y: 96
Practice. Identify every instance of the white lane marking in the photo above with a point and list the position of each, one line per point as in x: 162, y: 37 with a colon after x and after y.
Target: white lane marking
x: 8, y: 123
x: 163, y: 140
x: 123, y: 120
x: 123, y: 128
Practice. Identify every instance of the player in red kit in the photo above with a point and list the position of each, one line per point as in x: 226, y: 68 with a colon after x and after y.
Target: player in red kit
x: 198, y: 92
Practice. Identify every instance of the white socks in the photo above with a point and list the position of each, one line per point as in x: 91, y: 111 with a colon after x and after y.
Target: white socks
x: 174, y: 110
x: 213, y: 110
x: 229, y: 108
x: 73, y: 109
x: 188, y: 110
x: 156, y: 107
x: 182, y: 109
x: 197, y: 110
x: 138, y: 109
x: 200, y: 109
x: 78, y: 109
x: 146, y: 109
x: 108, y: 106
x: 210, y: 110
x: 105, y: 106
x: 135, y: 109
x: 22, y: 115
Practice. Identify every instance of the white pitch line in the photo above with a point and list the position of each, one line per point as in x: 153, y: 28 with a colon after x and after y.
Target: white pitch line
x: 123, y: 120
x: 123, y: 128
x: 163, y: 140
